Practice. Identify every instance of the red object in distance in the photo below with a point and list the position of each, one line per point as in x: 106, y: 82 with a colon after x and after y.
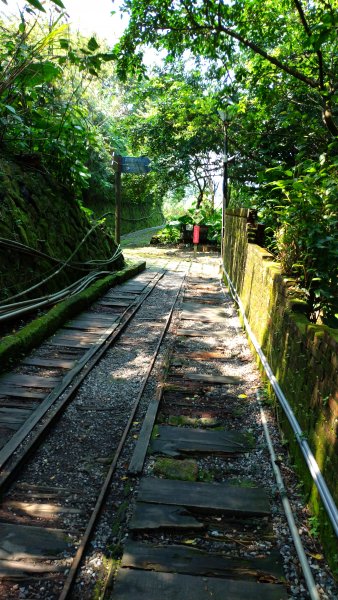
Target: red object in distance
x: 196, y: 234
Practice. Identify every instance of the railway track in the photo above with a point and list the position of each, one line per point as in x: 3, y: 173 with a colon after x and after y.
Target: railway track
x: 39, y: 516
x: 159, y: 445
x: 201, y: 525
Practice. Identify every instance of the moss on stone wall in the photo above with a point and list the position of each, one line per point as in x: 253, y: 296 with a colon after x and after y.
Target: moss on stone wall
x: 135, y: 215
x: 303, y: 357
x: 38, y: 212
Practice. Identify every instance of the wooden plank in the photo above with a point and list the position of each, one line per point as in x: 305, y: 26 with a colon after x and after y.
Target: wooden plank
x: 95, y: 319
x: 73, y: 338
x: 202, y: 290
x: 200, y: 333
x: 37, y: 509
x: 5, y: 428
x: 135, y: 288
x: 86, y: 327
x: 58, y: 363
x: 213, y: 497
x: 74, y: 334
x: 215, y: 299
x: 203, y: 317
x: 18, y: 392
x: 178, y: 441
x: 21, y: 570
x: 31, y: 487
x: 31, y: 381
x: 140, y: 451
x: 65, y: 342
x: 194, y: 311
x: 150, y: 585
x: 192, y: 561
x: 24, y: 541
x: 204, y: 284
x: 13, y: 415
x: 117, y: 303
x: 148, y: 516
x: 21, y: 403
x: 213, y: 379
x: 192, y: 356
x: 119, y: 296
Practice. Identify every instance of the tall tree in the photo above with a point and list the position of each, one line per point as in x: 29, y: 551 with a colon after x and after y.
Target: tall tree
x: 295, y: 40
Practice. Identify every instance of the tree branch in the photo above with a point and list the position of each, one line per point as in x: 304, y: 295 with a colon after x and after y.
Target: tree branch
x: 271, y: 59
x: 308, y: 31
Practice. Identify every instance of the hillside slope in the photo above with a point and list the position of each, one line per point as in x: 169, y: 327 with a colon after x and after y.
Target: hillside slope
x: 38, y: 212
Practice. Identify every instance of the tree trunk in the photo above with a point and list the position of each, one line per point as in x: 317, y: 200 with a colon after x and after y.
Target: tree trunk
x: 329, y: 121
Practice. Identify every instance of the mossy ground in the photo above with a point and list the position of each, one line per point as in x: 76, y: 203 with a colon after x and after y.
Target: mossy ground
x: 14, y: 347
x: 171, y: 468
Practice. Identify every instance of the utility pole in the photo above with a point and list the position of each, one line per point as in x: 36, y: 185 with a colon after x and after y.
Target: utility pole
x: 224, y: 118
x: 125, y: 164
x: 118, y: 194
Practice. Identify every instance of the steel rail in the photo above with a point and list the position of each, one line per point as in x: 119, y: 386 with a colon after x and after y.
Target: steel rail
x: 310, y: 582
x: 82, y: 369
x: 317, y: 476
x: 105, y: 488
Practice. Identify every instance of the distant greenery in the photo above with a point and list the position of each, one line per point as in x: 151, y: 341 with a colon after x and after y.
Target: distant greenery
x: 206, y: 215
x: 170, y: 234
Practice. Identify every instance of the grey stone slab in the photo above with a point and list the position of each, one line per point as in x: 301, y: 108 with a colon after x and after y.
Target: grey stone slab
x: 55, y: 363
x: 177, y: 441
x: 30, y: 381
x: 212, y: 497
x: 192, y: 561
x: 162, y: 516
x: 22, y: 541
x: 134, y: 584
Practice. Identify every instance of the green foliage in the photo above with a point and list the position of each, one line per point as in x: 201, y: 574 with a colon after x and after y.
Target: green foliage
x: 46, y: 80
x: 172, y: 118
x: 284, y: 41
x: 39, y: 6
x: 274, y: 66
x: 168, y: 235
x: 305, y: 221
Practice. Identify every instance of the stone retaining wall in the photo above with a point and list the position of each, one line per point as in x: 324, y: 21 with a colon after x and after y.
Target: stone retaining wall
x: 303, y: 357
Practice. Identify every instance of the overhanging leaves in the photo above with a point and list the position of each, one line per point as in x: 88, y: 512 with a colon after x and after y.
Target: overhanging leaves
x: 39, y: 73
